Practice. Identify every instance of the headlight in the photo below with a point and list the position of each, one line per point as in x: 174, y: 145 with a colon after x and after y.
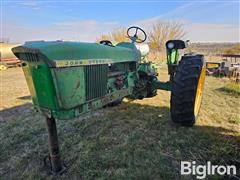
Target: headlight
x: 170, y: 45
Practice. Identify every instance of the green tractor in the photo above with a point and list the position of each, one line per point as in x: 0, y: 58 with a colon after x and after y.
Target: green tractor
x: 67, y: 79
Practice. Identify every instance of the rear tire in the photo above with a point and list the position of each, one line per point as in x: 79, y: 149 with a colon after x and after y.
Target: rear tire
x: 187, y: 86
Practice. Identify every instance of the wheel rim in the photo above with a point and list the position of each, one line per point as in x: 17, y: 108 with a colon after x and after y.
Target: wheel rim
x: 199, y: 91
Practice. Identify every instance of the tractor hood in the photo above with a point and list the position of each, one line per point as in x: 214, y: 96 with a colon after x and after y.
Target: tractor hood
x: 63, y: 53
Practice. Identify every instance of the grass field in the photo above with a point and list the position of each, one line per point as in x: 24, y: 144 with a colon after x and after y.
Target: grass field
x: 135, y: 140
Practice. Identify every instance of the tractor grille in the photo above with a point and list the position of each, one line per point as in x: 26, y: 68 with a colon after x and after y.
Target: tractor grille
x: 96, y: 81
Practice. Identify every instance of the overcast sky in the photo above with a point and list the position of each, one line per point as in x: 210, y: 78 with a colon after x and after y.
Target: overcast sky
x: 204, y: 20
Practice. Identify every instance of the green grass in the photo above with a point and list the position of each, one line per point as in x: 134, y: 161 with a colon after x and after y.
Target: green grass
x: 135, y: 140
x: 232, y: 87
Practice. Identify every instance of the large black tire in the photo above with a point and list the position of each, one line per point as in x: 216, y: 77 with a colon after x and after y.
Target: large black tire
x: 187, y: 88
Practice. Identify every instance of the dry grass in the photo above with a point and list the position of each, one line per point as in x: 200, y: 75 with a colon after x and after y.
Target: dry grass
x: 12, y: 87
x: 135, y: 140
x: 232, y: 87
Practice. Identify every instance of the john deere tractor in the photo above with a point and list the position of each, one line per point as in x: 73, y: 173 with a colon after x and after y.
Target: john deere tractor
x: 68, y: 79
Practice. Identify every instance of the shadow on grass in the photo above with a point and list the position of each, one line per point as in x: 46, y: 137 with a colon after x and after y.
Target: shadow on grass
x: 15, y: 112
x: 229, y: 91
x: 127, y: 141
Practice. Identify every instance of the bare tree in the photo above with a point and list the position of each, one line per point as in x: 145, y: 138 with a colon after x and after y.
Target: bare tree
x: 117, y: 35
x: 233, y: 50
x: 104, y: 37
x: 120, y: 35
x: 162, y: 31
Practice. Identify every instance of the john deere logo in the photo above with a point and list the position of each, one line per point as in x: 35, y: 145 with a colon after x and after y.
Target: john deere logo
x: 68, y: 63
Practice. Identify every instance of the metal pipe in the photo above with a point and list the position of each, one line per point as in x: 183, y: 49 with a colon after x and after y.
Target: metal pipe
x: 162, y: 85
x: 55, y: 160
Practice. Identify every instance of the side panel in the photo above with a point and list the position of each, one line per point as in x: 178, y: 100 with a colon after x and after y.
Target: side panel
x: 90, y: 106
x: 28, y: 76
x: 39, y: 80
x: 42, y: 80
x: 70, y: 86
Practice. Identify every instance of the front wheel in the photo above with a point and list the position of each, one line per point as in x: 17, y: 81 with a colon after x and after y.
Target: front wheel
x: 187, y: 90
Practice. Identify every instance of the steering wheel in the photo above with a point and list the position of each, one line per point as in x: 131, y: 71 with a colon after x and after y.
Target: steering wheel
x: 135, y: 37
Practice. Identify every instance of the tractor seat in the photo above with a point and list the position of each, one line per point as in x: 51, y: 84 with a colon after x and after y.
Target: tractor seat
x: 106, y: 43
